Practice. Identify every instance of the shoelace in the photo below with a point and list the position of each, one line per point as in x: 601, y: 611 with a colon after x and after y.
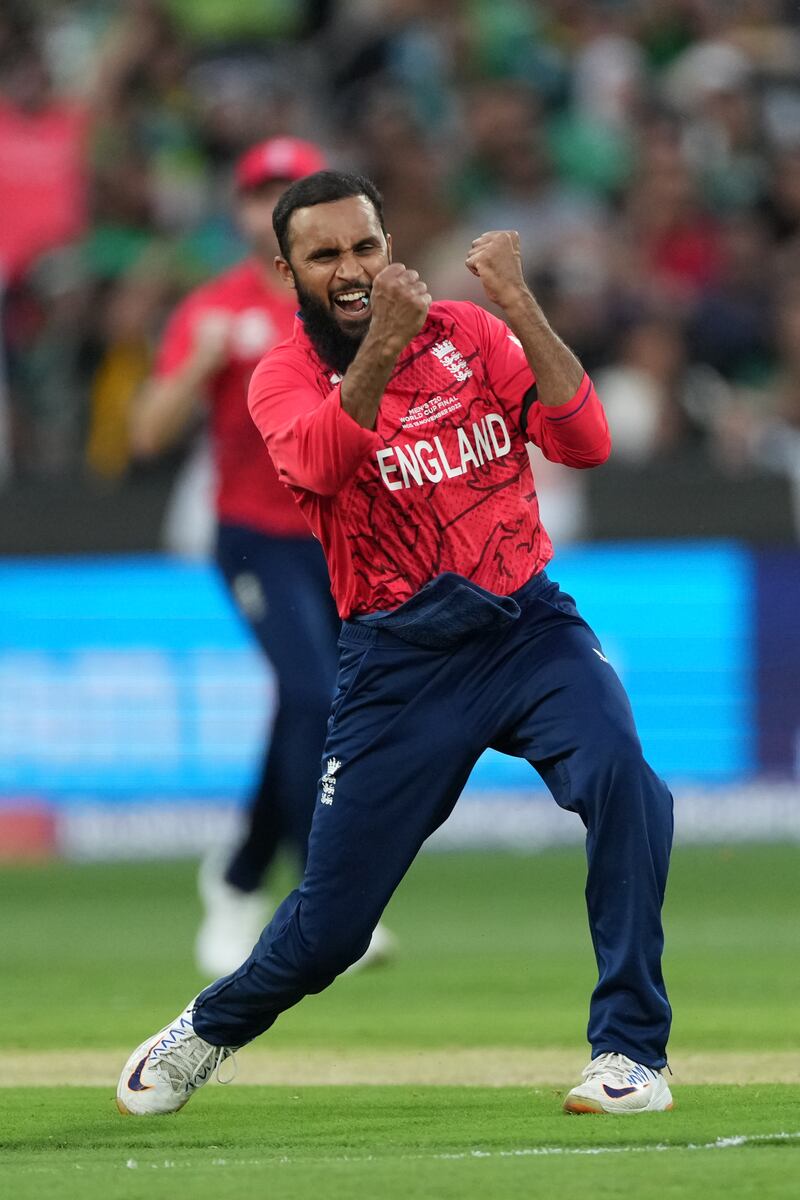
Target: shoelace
x: 185, y: 1071
x: 616, y: 1065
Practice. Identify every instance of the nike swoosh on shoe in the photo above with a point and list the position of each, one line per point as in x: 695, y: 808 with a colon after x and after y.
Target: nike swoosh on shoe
x: 618, y: 1093
x: 135, y: 1081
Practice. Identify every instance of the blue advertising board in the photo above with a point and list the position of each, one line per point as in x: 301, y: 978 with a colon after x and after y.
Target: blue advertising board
x: 129, y: 678
x: 124, y: 677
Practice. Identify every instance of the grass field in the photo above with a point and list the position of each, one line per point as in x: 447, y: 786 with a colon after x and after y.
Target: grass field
x: 489, y: 994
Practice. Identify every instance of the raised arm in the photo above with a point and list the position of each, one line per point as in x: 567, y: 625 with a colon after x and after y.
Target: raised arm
x: 169, y: 402
x: 497, y: 261
x: 400, y: 302
x: 560, y: 412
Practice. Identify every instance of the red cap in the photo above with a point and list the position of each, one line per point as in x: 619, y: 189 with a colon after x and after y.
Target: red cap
x: 286, y: 158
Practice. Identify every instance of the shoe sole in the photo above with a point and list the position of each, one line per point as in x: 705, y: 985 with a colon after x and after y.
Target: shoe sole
x: 581, y: 1107
x: 124, y: 1111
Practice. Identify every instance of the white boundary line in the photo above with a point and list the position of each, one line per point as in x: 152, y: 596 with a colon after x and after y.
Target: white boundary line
x: 722, y: 1143
x: 658, y: 1147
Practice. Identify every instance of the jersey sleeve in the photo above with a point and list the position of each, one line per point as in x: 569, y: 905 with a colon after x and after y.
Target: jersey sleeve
x: 313, y: 442
x: 575, y: 434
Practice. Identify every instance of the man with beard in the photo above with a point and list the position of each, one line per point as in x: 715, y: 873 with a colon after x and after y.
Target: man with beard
x: 272, y: 565
x: 400, y: 426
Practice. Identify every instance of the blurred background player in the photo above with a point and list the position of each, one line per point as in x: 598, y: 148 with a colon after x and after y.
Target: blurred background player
x: 273, y: 567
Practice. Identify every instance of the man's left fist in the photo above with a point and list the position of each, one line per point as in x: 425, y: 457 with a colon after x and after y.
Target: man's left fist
x: 496, y: 259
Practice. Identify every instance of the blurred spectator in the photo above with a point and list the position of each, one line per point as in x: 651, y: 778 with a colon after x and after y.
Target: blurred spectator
x: 407, y: 46
x: 43, y: 168
x: 712, y: 85
x: 657, y: 402
x: 773, y: 427
x: 729, y: 327
x: 127, y: 331
x: 506, y: 181
x: 592, y: 139
x: 781, y: 204
x: 5, y: 421
x: 409, y: 173
x: 48, y: 324
x: 669, y: 243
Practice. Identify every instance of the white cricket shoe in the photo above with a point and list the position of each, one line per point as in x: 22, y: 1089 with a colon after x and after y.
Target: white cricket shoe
x: 382, y: 947
x: 166, y: 1070
x: 232, y: 920
x: 613, y: 1083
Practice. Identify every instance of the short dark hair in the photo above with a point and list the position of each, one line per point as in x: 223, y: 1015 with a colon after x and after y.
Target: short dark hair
x: 323, y: 187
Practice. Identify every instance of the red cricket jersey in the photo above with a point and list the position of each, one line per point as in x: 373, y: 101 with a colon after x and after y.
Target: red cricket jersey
x: 248, y: 491
x: 443, y: 482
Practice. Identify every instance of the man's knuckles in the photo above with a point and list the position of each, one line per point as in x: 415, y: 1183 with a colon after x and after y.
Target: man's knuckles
x: 402, y: 289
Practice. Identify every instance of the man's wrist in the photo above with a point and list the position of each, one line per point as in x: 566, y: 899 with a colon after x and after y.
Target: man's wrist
x: 520, y: 305
x: 385, y: 348
x: 558, y: 372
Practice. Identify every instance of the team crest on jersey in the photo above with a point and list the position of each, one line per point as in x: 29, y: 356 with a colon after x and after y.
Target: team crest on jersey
x: 329, y: 780
x: 452, y: 360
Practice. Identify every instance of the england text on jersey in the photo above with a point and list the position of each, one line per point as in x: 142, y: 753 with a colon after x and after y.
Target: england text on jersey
x: 412, y: 464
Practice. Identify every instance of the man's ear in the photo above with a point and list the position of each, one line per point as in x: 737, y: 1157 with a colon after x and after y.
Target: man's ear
x: 389, y: 246
x: 285, y: 271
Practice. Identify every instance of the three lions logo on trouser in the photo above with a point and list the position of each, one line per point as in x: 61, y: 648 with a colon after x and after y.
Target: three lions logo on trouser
x: 329, y: 781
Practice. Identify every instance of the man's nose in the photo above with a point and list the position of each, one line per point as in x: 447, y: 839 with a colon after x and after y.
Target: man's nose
x: 348, y: 267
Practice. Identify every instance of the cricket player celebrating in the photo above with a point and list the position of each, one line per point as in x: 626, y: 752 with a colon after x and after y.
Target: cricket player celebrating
x: 400, y: 427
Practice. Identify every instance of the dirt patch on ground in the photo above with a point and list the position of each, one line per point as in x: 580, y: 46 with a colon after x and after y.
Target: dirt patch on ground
x: 482, y: 1066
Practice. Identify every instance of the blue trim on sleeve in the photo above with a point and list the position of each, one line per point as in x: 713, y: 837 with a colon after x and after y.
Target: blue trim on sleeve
x: 566, y: 416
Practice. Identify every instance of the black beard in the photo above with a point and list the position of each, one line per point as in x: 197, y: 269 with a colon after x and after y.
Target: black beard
x: 336, y: 348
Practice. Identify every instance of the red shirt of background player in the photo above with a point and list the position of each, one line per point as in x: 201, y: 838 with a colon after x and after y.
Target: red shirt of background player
x: 248, y: 492
x: 443, y: 482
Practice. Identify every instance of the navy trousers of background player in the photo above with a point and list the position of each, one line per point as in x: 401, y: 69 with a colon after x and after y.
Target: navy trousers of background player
x: 281, y: 588
x: 407, y: 725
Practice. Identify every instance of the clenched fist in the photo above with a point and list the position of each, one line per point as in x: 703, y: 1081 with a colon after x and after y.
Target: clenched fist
x: 400, y: 302
x: 496, y: 259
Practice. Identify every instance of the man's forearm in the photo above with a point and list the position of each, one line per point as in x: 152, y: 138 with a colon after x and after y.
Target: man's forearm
x: 164, y: 409
x: 558, y: 372
x: 367, y: 376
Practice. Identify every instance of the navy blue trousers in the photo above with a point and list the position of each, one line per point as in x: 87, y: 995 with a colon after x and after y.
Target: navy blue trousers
x: 281, y: 588
x: 407, y: 725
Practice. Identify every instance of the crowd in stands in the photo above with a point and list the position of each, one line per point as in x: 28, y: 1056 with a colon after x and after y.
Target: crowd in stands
x: 648, y: 151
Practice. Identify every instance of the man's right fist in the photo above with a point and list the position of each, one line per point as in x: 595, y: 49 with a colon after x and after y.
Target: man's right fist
x: 400, y: 303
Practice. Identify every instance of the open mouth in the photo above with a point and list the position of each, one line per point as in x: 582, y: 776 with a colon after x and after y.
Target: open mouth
x: 353, y: 303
